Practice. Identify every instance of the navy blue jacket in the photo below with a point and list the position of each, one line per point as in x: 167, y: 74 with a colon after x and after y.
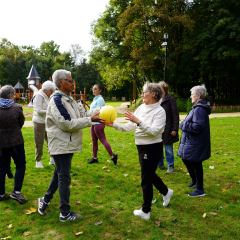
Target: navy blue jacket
x: 195, y: 143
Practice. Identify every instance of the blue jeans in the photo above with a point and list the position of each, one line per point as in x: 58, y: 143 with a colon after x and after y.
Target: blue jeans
x: 168, y: 155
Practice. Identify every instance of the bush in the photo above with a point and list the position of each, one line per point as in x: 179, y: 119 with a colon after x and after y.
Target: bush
x: 181, y: 105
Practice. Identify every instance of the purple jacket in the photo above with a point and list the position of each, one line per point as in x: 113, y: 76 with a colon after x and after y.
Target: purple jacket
x: 195, y: 143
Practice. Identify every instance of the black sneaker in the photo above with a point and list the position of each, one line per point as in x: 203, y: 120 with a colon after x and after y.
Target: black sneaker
x: 42, y: 205
x: 18, y: 197
x: 114, y: 159
x: 6, y: 196
x: 9, y: 174
x: 94, y: 160
x: 70, y: 217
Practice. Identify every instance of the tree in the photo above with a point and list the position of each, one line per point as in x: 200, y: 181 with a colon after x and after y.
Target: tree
x: 49, y: 49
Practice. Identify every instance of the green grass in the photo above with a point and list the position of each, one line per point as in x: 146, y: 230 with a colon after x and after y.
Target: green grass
x: 27, y: 110
x: 110, y: 197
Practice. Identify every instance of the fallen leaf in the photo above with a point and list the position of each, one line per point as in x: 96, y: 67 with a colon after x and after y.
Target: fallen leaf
x: 213, y: 213
x: 98, y: 223
x: 26, y: 233
x: 201, y: 200
x: 235, y: 198
x: 78, y: 233
x: 124, y: 165
x: 33, y: 209
x: 134, y: 179
x: 224, y: 190
x: 174, y: 219
x: 6, y: 237
x: 77, y: 202
x: 158, y: 223
x: 167, y: 233
x: 71, y: 186
x: 231, y: 185
x: 104, y: 167
x: 108, y: 170
x: 133, y: 167
x: 211, y: 167
x: 129, y: 230
x: 218, y: 184
x: 238, y: 182
x: 126, y: 175
x: 109, y: 161
x: 28, y: 212
x: 9, y: 226
x: 201, y: 209
x: 159, y: 194
x: 204, y: 215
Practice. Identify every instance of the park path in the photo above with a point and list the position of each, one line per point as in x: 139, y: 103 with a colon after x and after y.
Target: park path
x: 124, y: 106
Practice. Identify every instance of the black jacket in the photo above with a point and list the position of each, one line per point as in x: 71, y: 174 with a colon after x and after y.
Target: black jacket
x: 195, y: 143
x: 172, y: 119
x: 11, y: 122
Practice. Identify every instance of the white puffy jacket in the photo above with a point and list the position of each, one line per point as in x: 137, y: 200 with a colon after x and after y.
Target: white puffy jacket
x: 64, y: 122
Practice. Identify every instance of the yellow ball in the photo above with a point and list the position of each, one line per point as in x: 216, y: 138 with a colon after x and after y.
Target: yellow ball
x: 108, y: 113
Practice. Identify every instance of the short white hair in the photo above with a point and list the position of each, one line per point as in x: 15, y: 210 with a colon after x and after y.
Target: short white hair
x: 60, y: 74
x: 7, y: 91
x: 48, y: 85
x: 199, y: 90
x: 154, y: 87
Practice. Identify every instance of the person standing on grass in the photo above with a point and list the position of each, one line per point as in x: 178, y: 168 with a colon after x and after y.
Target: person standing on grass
x: 40, y: 102
x: 65, y: 120
x: 170, y: 134
x: 148, y: 121
x: 195, y: 146
x: 11, y: 143
x: 97, y: 129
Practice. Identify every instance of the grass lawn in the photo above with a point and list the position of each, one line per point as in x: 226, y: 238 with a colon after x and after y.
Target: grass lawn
x: 108, y: 196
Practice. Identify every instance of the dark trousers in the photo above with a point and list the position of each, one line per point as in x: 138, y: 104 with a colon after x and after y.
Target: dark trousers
x: 61, y: 180
x: 18, y: 155
x: 195, y: 170
x: 149, y: 157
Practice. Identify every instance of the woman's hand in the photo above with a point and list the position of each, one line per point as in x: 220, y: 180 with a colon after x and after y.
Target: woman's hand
x: 173, y: 133
x: 96, y: 118
x: 129, y: 116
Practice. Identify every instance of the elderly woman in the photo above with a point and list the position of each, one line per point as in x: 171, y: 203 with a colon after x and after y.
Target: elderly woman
x: 195, y: 146
x: 65, y: 120
x: 148, y: 121
x: 11, y: 143
x: 170, y: 134
x: 97, y: 129
x: 40, y: 102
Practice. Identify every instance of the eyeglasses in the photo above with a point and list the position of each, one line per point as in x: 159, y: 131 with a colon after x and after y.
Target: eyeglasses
x: 68, y: 80
x: 144, y: 92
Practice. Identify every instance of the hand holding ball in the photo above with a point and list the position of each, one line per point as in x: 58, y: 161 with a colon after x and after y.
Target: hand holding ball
x: 108, y: 113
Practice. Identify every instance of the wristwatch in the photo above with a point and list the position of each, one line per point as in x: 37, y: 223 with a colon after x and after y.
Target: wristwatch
x: 139, y: 123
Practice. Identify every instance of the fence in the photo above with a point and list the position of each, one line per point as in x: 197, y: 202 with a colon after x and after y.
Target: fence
x: 226, y: 108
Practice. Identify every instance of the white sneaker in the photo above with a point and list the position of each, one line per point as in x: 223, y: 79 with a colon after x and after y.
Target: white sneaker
x: 141, y: 214
x: 39, y: 164
x: 166, y: 199
x: 51, y: 161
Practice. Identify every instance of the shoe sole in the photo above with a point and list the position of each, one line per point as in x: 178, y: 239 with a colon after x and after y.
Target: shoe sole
x: 70, y: 220
x: 18, y: 199
x: 39, y: 211
x: 202, y: 195
x: 193, y: 186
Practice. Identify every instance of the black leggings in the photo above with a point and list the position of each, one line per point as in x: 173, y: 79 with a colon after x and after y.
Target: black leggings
x: 149, y: 157
x: 195, y: 170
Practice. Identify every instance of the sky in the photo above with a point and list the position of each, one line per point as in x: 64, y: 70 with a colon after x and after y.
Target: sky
x: 25, y: 22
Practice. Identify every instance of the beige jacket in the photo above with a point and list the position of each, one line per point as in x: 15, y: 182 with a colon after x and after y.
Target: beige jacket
x: 64, y: 122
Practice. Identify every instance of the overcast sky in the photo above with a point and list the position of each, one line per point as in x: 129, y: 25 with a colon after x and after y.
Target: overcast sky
x: 25, y: 22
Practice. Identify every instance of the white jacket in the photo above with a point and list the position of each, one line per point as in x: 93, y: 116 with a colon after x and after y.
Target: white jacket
x: 40, y: 103
x: 64, y: 122
x: 149, y: 131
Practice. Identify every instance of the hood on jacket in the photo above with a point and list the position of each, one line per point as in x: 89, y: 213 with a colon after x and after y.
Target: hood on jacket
x: 6, y: 103
x: 204, y: 104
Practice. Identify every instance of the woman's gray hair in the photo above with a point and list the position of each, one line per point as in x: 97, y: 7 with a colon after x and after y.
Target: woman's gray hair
x: 154, y: 87
x: 58, y: 75
x: 6, y: 91
x: 48, y: 85
x: 199, y: 90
